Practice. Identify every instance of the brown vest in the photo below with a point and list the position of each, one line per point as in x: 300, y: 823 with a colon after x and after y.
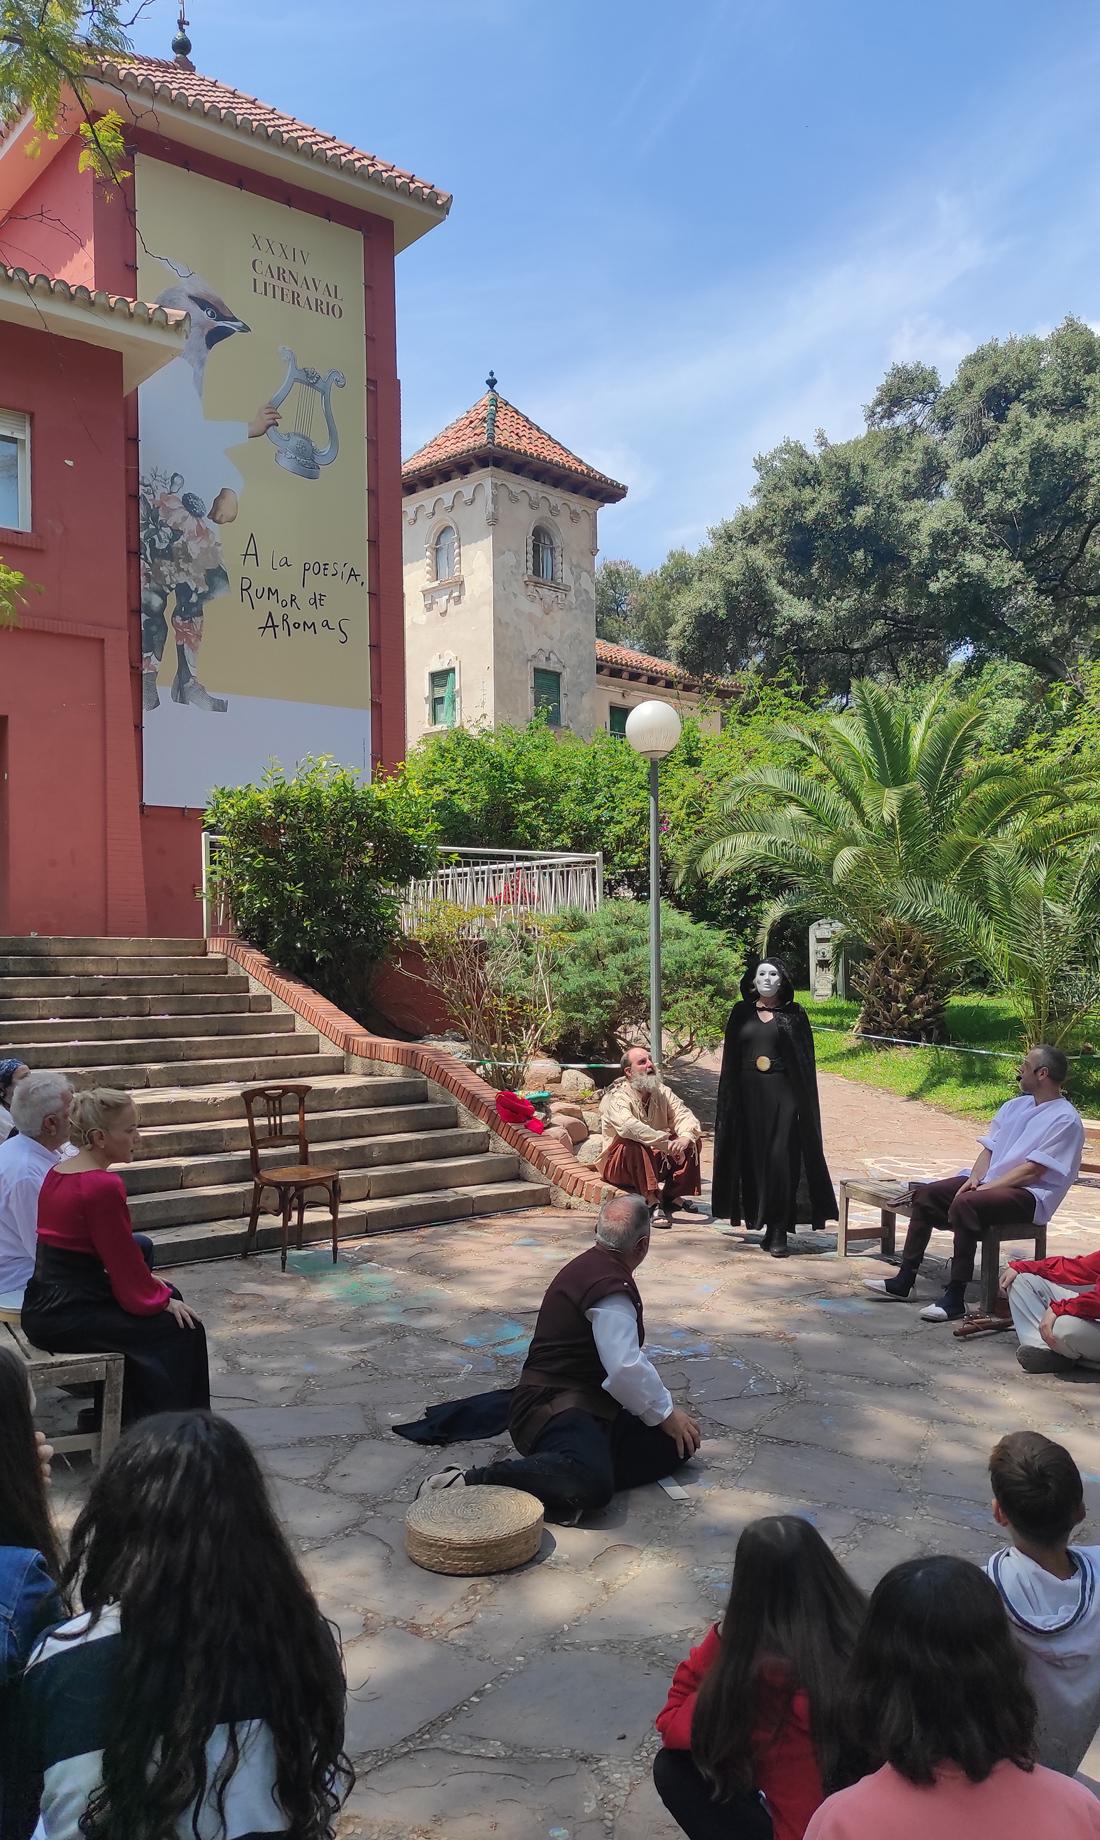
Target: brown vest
x: 563, y: 1367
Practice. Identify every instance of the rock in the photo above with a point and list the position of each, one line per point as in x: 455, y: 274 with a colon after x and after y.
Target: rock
x: 573, y: 1081
x: 542, y: 1073
x: 564, y: 1108
x: 557, y: 1134
x: 589, y: 1152
x: 576, y: 1127
x: 592, y: 1119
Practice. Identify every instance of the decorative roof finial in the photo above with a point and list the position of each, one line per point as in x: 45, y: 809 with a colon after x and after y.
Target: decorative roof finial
x: 491, y: 382
x: 181, y: 44
x: 491, y: 412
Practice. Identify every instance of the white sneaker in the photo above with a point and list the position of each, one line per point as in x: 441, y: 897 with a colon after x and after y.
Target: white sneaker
x: 878, y: 1285
x: 934, y: 1312
x: 450, y: 1478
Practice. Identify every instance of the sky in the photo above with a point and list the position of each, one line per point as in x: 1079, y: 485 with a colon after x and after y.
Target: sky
x: 683, y: 233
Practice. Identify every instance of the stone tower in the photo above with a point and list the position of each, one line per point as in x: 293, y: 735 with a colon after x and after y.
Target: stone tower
x: 500, y: 587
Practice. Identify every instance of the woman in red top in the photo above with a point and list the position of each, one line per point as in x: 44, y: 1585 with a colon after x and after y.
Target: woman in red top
x: 753, y: 1725
x: 92, y: 1290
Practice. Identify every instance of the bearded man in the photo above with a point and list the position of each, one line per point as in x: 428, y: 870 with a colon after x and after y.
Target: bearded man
x: 650, y: 1140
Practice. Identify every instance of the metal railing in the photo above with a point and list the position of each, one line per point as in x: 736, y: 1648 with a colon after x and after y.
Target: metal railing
x: 514, y: 881
x: 217, y: 921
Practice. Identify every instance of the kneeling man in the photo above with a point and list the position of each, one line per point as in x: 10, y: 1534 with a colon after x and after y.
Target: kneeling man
x: 1031, y: 1156
x: 591, y: 1414
x: 650, y: 1139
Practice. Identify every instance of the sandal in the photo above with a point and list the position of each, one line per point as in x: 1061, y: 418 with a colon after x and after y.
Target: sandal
x: 979, y: 1324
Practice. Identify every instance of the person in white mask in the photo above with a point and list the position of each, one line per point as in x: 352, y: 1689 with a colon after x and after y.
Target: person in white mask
x: 1049, y: 1589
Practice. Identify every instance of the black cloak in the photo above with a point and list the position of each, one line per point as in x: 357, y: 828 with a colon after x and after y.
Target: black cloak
x: 816, y: 1200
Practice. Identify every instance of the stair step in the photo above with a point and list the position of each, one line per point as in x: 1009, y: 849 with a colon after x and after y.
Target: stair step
x: 331, y: 1091
x: 213, y: 980
x: 250, y: 1072
x: 208, y: 1048
x: 223, y: 1239
x: 167, y: 1003
x: 218, y: 1201
x: 127, y: 1029
x: 161, y: 1175
x: 201, y: 1141
x: 87, y: 964
x: 45, y: 945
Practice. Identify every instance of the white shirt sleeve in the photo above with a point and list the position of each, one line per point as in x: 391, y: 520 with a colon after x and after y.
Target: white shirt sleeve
x: 632, y: 1378
x: 993, y: 1128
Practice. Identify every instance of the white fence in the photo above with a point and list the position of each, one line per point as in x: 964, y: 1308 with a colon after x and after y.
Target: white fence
x: 515, y: 881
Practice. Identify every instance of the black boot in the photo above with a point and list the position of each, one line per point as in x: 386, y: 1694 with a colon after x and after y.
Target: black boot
x: 775, y: 1242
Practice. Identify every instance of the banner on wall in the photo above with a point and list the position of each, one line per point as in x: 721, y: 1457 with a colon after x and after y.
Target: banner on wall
x: 253, y: 490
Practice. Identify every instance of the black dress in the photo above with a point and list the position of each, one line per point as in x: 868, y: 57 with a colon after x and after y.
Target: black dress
x: 772, y: 1154
x: 769, y: 1162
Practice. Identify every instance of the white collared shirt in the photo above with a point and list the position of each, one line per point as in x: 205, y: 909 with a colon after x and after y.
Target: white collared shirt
x: 1050, y: 1134
x: 24, y: 1166
x: 632, y: 1378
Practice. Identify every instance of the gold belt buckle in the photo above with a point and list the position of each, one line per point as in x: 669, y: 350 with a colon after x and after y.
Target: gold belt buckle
x: 763, y: 1062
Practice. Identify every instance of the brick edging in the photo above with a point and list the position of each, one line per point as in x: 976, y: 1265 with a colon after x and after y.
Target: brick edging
x: 572, y: 1182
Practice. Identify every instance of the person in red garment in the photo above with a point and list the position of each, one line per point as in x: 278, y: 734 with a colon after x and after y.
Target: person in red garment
x: 753, y: 1726
x: 92, y: 1290
x: 1055, y: 1305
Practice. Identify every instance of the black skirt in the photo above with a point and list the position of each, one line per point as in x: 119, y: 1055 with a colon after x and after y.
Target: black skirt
x: 771, y: 1150
x: 70, y: 1308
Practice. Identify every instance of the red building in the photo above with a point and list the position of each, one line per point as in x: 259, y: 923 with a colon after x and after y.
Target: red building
x: 100, y: 801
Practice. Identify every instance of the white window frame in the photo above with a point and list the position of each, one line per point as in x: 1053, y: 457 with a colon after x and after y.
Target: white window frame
x: 15, y: 424
x: 456, y: 574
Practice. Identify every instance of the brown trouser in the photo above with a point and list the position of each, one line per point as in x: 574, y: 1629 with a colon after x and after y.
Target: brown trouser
x: 940, y: 1205
x: 635, y: 1167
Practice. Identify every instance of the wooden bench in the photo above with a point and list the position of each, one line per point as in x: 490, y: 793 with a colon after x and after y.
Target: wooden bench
x: 892, y: 1199
x: 74, y: 1370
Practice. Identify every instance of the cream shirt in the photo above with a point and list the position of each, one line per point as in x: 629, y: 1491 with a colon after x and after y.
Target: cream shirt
x: 646, y: 1118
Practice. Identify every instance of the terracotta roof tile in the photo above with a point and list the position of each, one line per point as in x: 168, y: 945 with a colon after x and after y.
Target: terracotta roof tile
x: 190, y: 89
x: 626, y: 660
x: 493, y: 429
x: 142, y: 311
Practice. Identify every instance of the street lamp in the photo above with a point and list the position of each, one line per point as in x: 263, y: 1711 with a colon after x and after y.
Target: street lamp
x: 653, y: 729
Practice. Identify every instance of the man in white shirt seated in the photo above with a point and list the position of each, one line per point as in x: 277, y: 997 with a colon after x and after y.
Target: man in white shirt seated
x: 40, y: 1110
x: 650, y: 1140
x: 591, y: 1414
x: 1030, y: 1159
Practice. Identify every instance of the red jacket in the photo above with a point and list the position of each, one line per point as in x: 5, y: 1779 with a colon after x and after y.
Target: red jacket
x: 1084, y: 1270
x: 786, y: 1770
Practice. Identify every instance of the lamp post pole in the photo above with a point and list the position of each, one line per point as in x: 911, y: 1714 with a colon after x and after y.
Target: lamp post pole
x: 655, y: 1030
x: 653, y: 729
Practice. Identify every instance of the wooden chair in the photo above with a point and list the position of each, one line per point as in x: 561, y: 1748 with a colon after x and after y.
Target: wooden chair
x: 891, y: 1200
x: 291, y: 1182
x: 74, y: 1370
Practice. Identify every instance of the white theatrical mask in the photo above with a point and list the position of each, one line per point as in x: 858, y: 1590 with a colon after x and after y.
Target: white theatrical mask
x: 767, y: 980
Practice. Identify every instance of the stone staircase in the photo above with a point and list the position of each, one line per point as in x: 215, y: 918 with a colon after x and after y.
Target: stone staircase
x: 183, y: 1030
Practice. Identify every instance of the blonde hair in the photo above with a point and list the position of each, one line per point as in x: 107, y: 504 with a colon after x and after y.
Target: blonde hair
x: 95, y: 1110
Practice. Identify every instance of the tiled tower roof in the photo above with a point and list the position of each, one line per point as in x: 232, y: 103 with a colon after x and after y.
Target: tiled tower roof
x: 495, y: 433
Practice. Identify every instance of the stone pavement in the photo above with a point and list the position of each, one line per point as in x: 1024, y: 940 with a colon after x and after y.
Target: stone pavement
x: 522, y: 1706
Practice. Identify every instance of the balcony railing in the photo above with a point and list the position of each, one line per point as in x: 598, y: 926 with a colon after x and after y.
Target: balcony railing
x: 514, y: 881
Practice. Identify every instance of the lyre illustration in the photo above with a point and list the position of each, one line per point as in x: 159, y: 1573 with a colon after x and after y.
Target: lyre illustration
x: 297, y: 450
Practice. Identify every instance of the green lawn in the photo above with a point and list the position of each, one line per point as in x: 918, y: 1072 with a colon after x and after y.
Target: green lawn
x: 973, y: 1085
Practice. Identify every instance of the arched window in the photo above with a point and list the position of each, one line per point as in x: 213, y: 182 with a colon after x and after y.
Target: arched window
x: 542, y: 554
x: 446, y: 554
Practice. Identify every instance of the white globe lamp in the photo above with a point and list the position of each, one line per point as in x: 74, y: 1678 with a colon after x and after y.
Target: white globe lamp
x: 653, y: 729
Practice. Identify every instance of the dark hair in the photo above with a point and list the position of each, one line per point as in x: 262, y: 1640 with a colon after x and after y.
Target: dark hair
x: 24, y: 1504
x: 1038, y: 1485
x: 936, y: 1676
x: 786, y: 979
x: 180, y: 1533
x: 1055, y: 1062
x: 790, y: 1624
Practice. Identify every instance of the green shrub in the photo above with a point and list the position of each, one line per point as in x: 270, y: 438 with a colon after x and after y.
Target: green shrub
x: 601, y: 980
x: 494, y: 974
x: 313, y: 866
